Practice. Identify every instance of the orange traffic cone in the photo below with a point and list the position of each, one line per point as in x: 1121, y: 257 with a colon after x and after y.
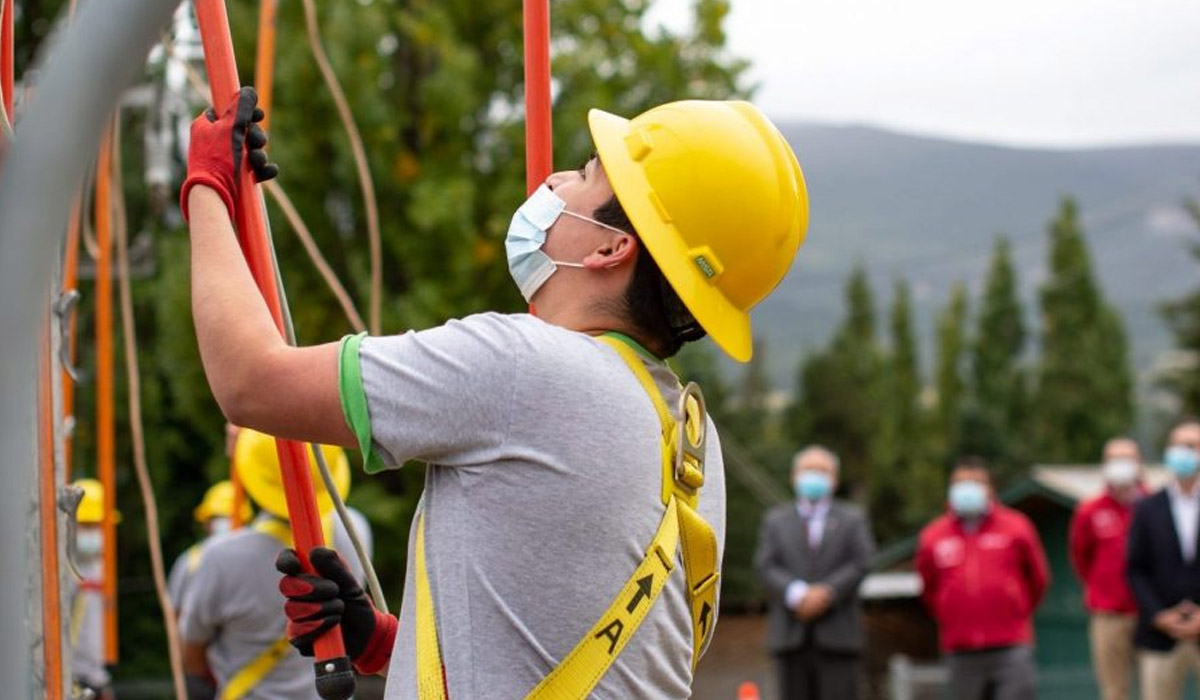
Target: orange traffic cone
x: 748, y: 691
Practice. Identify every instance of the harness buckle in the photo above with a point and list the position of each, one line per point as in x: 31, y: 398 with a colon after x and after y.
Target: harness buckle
x: 691, y: 438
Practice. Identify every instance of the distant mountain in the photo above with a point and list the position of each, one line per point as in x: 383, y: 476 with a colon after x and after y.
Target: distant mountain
x: 928, y: 210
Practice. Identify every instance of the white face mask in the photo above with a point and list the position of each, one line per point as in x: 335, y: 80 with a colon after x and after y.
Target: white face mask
x: 529, y: 266
x: 1120, y: 472
x: 219, y: 526
x: 89, y: 543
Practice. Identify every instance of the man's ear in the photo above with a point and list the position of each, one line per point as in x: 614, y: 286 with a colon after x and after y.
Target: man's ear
x: 618, y: 250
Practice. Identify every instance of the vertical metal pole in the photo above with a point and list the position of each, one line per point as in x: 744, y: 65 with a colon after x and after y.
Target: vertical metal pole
x: 48, y: 517
x: 106, y: 426
x: 70, y: 278
x: 539, y: 140
x: 334, y: 673
x: 35, y: 186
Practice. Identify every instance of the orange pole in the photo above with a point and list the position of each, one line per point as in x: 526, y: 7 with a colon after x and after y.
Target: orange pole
x: 106, y: 432
x: 48, y: 516
x: 264, y: 59
x: 70, y: 279
x: 334, y: 673
x: 539, y: 141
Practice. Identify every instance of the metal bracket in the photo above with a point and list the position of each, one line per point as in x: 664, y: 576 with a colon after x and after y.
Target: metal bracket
x: 69, y: 498
x: 63, y: 308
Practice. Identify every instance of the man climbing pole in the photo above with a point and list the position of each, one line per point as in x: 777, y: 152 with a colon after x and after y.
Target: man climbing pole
x: 230, y: 616
x: 569, y: 473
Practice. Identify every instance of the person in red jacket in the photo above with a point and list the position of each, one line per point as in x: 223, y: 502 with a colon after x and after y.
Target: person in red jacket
x: 1099, y: 532
x: 984, y: 573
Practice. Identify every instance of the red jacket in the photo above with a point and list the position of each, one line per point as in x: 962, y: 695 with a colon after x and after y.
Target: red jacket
x: 983, y: 586
x: 1099, y: 531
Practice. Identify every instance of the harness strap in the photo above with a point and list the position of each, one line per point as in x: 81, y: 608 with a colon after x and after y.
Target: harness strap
x: 681, y: 528
x: 249, y: 676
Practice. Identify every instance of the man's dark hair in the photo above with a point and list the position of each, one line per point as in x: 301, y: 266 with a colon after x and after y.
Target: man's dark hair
x: 650, y: 302
x: 972, y: 463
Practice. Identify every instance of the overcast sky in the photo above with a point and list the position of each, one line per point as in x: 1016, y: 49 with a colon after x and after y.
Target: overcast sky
x: 1026, y: 72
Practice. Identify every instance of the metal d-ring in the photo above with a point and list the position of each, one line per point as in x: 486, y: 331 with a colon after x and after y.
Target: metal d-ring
x: 689, y: 452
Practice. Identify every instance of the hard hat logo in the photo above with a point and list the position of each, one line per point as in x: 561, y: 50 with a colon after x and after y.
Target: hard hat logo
x: 717, y: 198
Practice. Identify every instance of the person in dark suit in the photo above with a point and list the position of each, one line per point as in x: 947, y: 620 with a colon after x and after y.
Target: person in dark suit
x: 812, y: 555
x: 1164, y: 571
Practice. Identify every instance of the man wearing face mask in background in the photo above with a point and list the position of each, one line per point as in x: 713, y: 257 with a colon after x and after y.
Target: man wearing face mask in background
x: 984, y: 573
x: 567, y: 537
x: 812, y: 555
x: 86, y: 628
x: 1164, y: 571
x: 1099, y: 532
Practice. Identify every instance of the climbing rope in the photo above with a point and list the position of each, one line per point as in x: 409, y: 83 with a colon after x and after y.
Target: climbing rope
x: 136, y: 427
x: 365, y: 180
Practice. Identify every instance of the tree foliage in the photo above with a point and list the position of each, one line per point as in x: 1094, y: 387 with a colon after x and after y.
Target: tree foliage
x: 1183, y: 317
x: 1083, y: 388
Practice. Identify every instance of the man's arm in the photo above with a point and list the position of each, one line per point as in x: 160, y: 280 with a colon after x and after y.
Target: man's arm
x: 258, y: 380
x: 927, y: 571
x: 1138, y: 565
x: 1080, y: 544
x: 846, y: 577
x: 1038, y: 570
x: 768, y: 560
x: 198, y: 676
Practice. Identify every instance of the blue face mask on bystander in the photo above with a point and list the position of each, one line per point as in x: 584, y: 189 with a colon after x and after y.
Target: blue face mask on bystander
x: 968, y: 498
x: 1183, y: 461
x: 812, y: 485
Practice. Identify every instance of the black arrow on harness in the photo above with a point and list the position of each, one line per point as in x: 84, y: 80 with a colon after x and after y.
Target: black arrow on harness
x: 704, y: 613
x: 643, y: 591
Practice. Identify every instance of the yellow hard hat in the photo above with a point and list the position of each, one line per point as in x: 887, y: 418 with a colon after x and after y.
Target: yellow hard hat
x: 218, y: 503
x: 257, y: 464
x: 717, y: 198
x: 91, y: 506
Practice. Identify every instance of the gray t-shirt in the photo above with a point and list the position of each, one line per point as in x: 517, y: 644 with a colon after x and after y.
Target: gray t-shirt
x: 231, y: 602
x: 545, y: 492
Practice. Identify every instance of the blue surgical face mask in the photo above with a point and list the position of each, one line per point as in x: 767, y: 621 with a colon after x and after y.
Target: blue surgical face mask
x: 1183, y: 461
x: 529, y: 266
x: 813, y: 486
x: 968, y: 498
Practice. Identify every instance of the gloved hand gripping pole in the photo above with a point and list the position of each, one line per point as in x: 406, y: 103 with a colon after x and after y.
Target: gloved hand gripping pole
x: 334, y: 673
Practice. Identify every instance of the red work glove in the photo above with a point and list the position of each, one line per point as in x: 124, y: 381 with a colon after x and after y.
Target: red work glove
x: 315, y: 603
x: 215, y: 152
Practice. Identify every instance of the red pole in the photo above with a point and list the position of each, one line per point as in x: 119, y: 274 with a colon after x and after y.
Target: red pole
x: 539, y: 142
x: 335, y: 676
x: 6, y: 58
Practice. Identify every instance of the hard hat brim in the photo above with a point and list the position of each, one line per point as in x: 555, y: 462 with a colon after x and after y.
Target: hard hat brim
x: 727, y: 325
x: 266, y: 490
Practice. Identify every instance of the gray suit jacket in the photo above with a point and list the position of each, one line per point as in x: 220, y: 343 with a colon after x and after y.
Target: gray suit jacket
x: 841, y: 560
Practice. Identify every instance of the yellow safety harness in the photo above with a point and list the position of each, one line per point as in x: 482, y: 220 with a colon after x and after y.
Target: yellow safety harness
x: 682, y: 527
x: 250, y: 675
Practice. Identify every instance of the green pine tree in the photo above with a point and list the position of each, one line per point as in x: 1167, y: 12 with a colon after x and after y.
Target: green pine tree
x: 1083, y: 388
x: 1183, y: 317
x: 949, y: 378
x: 997, y: 415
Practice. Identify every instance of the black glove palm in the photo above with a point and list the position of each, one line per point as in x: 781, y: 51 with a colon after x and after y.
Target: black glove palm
x: 317, y: 602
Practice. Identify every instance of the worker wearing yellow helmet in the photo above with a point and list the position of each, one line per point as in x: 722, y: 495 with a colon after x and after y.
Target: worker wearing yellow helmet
x: 86, y: 621
x: 230, y: 614
x: 571, y: 498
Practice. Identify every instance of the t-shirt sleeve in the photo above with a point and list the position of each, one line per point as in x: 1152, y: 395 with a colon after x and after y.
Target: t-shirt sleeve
x: 200, y: 611
x: 442, y: 396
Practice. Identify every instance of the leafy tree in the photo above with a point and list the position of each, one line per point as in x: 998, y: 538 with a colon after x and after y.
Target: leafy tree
x: 901, y: 493
x: 839, y: 402
x: 949, y: 380
x: 1183, y: 317
x: 436, y: 91
x: 996, y: 417
x: 1083, y: 389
